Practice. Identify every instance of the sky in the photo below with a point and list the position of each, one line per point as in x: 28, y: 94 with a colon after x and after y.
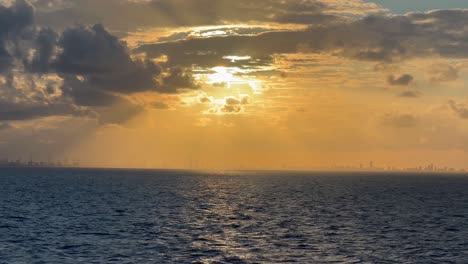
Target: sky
x: 405, y: 6
x: 220, y: 84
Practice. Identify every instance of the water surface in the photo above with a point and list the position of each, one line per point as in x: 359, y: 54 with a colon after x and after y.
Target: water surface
x: 131, y: 216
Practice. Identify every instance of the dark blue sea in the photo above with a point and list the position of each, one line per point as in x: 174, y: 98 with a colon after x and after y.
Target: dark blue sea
x: 136, y: 216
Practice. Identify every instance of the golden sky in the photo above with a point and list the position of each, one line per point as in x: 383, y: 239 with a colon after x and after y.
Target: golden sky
x: 220, y: 84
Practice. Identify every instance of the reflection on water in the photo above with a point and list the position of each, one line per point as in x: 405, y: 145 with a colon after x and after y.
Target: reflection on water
x: 106, y: 216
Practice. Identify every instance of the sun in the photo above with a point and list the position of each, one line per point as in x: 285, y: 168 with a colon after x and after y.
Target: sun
x: 222, y: 75
x: 232, y: 76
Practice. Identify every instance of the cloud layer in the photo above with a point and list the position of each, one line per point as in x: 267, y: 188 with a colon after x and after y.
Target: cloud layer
x: 80, y: 71
x: 378, y: 38
x: 130, y: 15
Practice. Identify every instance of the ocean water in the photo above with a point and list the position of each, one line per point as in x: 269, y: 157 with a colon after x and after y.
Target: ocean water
x: 130, y: 216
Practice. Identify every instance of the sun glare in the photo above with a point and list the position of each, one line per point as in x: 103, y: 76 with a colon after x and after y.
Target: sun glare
x: 237, y: 58
x: 230, y: 76
x: 223, y: 75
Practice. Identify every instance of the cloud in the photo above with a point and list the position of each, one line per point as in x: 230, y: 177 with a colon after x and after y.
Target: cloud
x: 234, y: 104
x: 16, y: 18
x: 205, y: 99
x: 307, y: 18
x: 210, y: 51
x: 410, y: 94
x: 400, y: 120
x: 379, y: 38
x: 97, y: 70
x: 443, y: 73
x: 12, y: 111
x: 4, y: 126
x: 14, y: 21
x: 93, y: 71
x: 178, y: 78
x: 228, y: 30
x: 84, y: 95
x: 131, y: 15
x: 443, y: 30
x: 160, y: 105
x: 104, y: 61
x: 402, y: 80
x: 46, y: 44
x: 460, y: 109
x: 232, y: 100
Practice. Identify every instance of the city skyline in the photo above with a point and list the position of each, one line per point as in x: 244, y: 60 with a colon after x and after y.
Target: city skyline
x: 65, y: 162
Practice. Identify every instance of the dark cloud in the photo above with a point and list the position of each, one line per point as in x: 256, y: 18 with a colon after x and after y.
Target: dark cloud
x: 410, y: 94
x: 443, y: 30
x: 11, y: 111
x: 382, y: 39
x: 13, y: 21
x: 105, y: 64
x: 108, y: 107
x: 104, y: 61
x: 363, y: 39
x: 372, y: 38
x: 96, y: 68
x: 46, y: 43
x: 84, y: 95
x: 177, y: 78
x: 210, y: 51
x: 460, y: 109
x: 88, y: 50
x: 402, y: 80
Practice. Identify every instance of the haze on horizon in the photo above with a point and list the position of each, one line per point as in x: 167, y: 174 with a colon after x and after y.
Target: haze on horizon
x: 234, y: 84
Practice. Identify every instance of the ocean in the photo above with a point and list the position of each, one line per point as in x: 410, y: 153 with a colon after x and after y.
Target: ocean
x: 142, y: 216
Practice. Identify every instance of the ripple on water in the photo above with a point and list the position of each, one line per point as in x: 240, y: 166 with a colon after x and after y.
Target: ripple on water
x: 109, y: 216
